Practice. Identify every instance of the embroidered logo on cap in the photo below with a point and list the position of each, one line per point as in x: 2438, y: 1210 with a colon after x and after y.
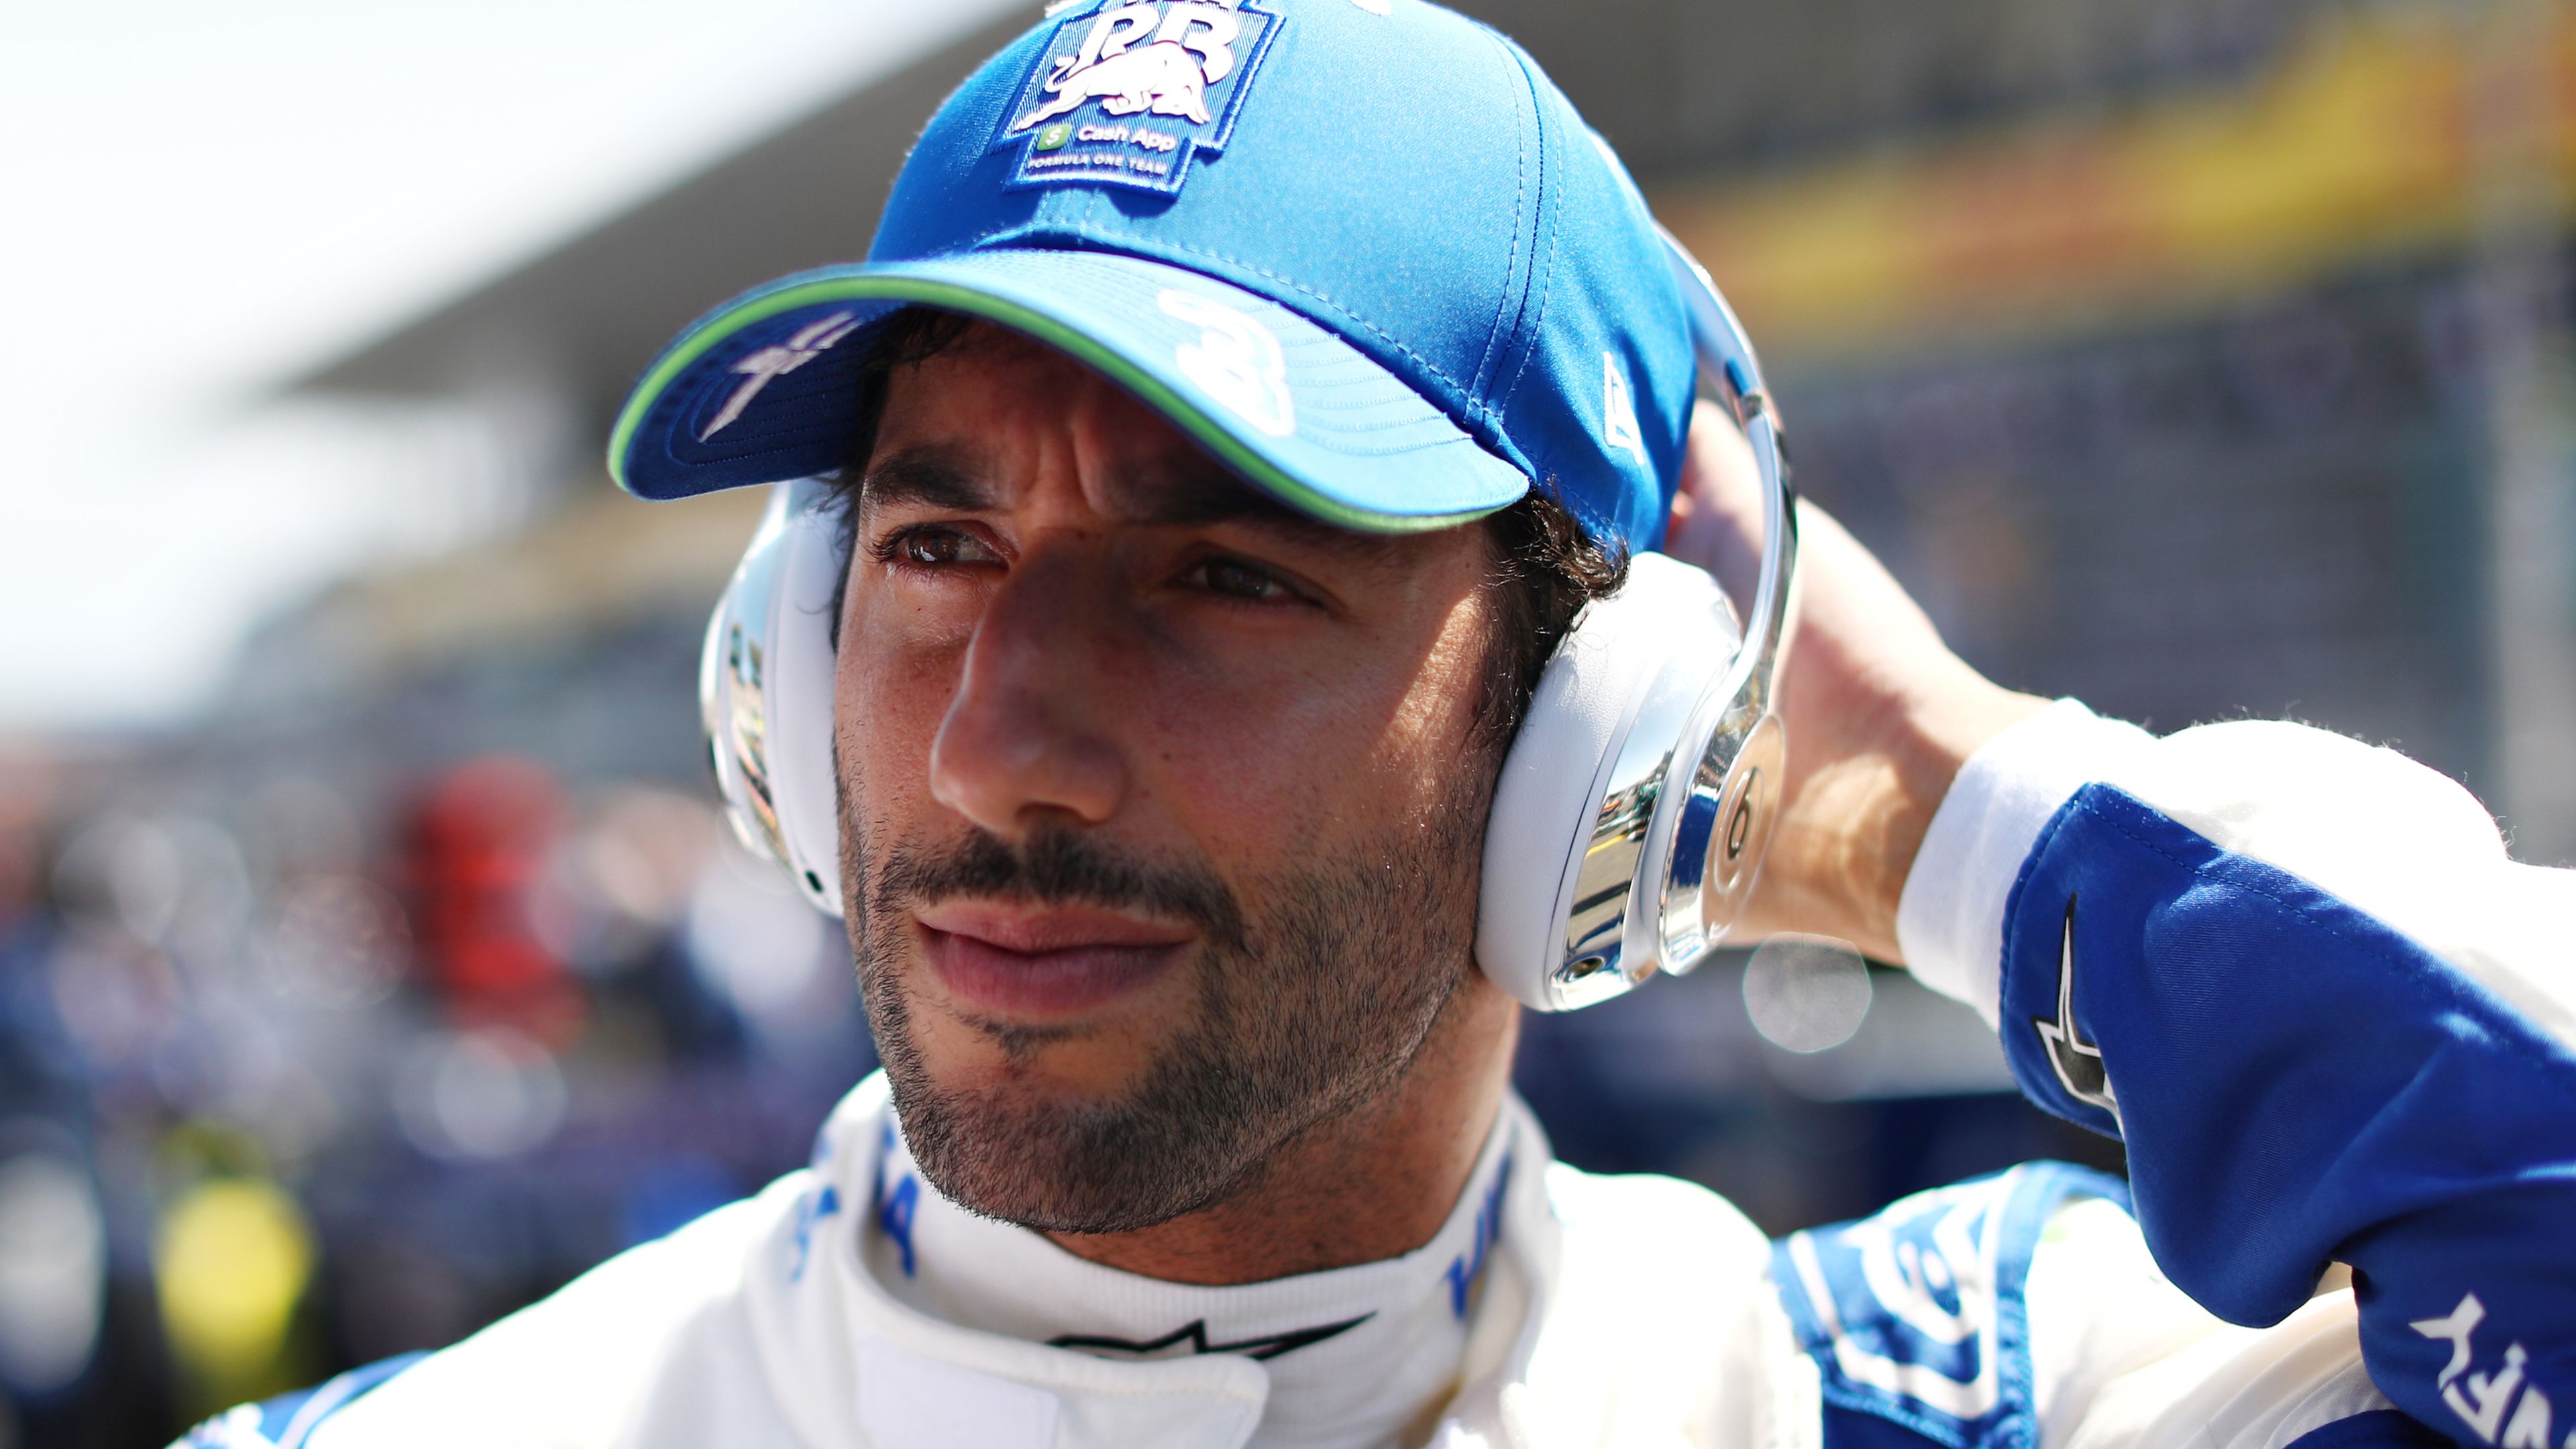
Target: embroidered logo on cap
x: 757, y: 370
x: 1619, y: 411
x: 1131, y: 91
x: 1235, y: 360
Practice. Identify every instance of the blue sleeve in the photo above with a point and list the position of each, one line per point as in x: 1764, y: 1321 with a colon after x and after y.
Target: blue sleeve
x: 2297, y: 1082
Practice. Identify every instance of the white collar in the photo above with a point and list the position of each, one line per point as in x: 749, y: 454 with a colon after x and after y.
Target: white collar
x: 1355, y: 1357
x: 1616, y: 1311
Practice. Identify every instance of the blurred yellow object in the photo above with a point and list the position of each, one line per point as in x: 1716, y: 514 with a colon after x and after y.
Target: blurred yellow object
x: 234, y: 1257
x: 2356, y: 146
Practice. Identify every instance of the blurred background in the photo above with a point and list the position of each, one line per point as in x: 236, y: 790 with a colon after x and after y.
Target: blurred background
x: 371, y: 957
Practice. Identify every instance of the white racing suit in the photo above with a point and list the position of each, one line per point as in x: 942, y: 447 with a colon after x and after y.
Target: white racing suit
x: 2333, y: 1023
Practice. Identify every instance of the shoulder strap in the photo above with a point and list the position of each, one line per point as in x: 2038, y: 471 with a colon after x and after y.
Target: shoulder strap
x: 1916, y: 1317
x: 287, y: 1421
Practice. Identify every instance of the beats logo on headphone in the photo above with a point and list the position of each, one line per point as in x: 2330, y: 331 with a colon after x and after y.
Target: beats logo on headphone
x: 1628, y: 826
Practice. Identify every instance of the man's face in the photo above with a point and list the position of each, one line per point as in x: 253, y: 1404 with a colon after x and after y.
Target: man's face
x: 1162, y: 806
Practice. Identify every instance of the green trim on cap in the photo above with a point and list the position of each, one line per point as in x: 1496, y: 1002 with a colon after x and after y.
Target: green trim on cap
x: 1152, y: 390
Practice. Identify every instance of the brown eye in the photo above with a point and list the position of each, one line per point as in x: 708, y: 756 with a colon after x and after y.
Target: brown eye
x: 1238, y: 580
x: 938, y: 548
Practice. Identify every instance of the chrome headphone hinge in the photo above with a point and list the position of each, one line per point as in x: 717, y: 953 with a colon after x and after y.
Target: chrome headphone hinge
x: 1596, y: 924
x: 1731, y: 803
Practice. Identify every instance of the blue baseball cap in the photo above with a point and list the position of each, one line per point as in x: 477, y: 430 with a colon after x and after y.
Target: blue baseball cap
x: 1363, y: 251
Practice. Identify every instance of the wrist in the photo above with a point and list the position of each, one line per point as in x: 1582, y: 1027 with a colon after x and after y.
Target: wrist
x: 1862, y: 802
x: 1941, y: 731
x: 1950, y: 918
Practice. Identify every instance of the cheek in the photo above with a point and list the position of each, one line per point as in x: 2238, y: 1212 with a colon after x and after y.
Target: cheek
x: 1312, y: 750
x: 887, y: 705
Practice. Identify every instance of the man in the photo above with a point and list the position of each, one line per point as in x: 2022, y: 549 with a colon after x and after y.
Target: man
x: 1241, y: 401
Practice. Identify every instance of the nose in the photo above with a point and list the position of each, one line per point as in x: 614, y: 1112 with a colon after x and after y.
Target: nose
x: 1021, y: 746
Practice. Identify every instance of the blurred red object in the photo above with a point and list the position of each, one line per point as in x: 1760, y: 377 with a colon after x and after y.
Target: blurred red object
x: 477, y: 840
x: 26, y: 803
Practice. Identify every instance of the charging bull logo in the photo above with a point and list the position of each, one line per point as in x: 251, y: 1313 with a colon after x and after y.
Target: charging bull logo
x: 1130, y: 92
x: 1163, y: 76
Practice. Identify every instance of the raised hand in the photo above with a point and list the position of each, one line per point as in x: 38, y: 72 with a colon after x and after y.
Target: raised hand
x: 1880, y: 713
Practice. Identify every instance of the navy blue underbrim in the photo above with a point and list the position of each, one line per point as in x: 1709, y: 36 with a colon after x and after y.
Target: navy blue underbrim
x: 765, y: 388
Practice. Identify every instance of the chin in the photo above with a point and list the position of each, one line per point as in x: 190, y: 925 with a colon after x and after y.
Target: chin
x: 1039, y: 1067
x: 1067, y: 1129
x: 1063, y: 1160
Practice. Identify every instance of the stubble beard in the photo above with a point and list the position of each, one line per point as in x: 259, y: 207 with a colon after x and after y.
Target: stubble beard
x: 1307, y: 1010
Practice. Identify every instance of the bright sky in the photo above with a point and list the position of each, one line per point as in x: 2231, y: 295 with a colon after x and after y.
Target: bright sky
x: 202, y: 197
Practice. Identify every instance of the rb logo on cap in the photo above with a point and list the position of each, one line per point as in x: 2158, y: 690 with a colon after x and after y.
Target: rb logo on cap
x: 1130, y: 93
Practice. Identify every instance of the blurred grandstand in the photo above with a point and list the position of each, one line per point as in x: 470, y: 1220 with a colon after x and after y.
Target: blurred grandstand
x: 2197, y: 357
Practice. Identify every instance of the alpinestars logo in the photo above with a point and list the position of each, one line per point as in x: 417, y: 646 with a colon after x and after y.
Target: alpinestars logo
x: 1131, y: 91
x: 2078, y: 1062
x: 1192, y: 1338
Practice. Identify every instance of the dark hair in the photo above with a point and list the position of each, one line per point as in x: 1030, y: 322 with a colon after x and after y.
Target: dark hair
x: 1546, y: 568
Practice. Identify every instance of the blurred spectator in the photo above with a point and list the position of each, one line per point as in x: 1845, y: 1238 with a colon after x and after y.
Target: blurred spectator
x: 305, y: 1074
x: 473, y: 849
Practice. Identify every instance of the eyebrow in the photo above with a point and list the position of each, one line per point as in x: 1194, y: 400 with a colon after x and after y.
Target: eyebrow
x: 1193, y: 492
x: 926, y: 475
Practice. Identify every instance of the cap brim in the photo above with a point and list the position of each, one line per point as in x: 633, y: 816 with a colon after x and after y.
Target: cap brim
x: 765, y: 387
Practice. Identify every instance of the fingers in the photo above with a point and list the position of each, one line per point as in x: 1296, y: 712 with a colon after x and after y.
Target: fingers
x: 1717, y: 515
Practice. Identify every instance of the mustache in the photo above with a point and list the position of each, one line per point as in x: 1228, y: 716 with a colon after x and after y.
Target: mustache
x: 1058, y: 867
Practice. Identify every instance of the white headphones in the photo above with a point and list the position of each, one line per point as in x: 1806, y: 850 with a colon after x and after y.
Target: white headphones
x: 1634, y: 807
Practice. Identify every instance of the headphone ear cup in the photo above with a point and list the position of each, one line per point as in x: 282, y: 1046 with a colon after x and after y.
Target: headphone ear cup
x: 733, y: 670
x: 1543, y: 806
x: 765, y: 690
x: 1619, y: 690
x: 803, y: 684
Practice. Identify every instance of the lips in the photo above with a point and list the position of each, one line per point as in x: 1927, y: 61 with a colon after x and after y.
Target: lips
x: 1047, y: 962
